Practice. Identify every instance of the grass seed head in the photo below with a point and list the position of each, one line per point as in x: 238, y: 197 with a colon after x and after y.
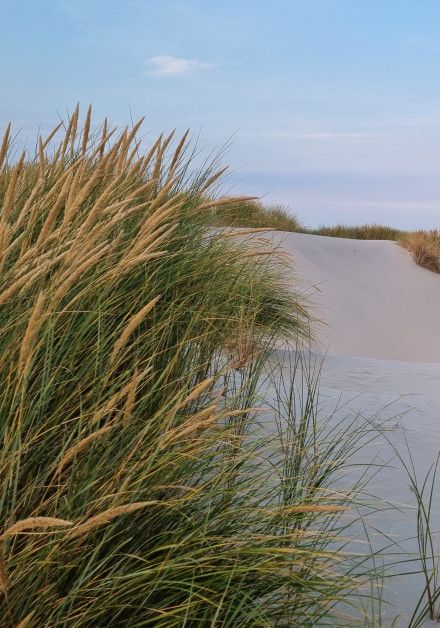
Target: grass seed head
x: 31, y: 524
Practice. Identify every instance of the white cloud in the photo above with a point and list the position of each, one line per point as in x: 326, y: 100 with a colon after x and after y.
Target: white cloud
x: 164, y: 65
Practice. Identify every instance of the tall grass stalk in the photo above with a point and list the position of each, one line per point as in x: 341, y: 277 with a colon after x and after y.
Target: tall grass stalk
x: 424, y: 491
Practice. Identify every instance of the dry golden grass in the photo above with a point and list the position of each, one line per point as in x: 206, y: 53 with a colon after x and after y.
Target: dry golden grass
x: 424, y: 247
x: 107, y: 516
x: 34, y: 523
x: 26, y: 622
x: 132, y: 324
x: 81, y: 445
x: 4, y: 579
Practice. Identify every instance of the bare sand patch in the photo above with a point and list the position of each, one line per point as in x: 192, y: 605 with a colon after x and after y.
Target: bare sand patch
x: 375, y: 301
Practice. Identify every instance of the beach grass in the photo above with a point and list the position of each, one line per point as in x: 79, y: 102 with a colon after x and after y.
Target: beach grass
x: 424, y: 247
x: 253, y: 213
x: 358, y: 232
x: 137, y: 485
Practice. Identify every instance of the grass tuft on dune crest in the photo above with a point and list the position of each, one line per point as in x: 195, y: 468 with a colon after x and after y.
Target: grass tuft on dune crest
x: 358, y: 232
x: 424, y: 246
x: 254, y: 214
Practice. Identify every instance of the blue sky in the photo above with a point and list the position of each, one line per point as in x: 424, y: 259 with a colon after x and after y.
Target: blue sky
x: 333, y: 106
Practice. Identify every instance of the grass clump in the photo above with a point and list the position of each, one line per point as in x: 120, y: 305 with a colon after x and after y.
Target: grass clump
x: 132, y: 489
x: 424, y: 247
x: 254, y: 214
x: 358, y: 232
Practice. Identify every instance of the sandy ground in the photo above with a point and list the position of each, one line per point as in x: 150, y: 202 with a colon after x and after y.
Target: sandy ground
x: 375, y: 301
x: 405, y: 396
x: 382, y: 338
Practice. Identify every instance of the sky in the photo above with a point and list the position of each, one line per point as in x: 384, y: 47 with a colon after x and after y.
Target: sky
x: 330, y: 107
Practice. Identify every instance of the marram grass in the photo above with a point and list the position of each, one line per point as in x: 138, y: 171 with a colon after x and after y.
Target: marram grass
x: 424, y: 247
x: 359, y: 232
x: 133, y: 341
x: 253, y: 213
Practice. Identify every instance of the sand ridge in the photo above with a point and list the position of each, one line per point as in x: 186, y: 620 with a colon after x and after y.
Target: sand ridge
x: 376, y: 302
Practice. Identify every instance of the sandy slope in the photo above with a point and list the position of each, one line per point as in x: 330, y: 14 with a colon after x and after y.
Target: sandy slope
x: 383, y: 362
x: 403, y: 398
x: 376, y: 302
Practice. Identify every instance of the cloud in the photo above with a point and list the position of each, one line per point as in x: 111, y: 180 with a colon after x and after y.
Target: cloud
x: 164, y: 65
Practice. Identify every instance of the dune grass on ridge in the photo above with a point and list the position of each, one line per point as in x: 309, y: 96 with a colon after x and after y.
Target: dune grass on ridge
x: 254, y: 214
x: 424, y: 246
x: 358, y: 232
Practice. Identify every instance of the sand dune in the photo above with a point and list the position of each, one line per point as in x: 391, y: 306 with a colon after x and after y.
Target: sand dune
x: 382, y: 337
x: 376, y: 302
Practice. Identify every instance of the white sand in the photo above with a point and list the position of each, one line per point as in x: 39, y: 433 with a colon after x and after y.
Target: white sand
x: 383, y: 344
x: 376, y: 301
